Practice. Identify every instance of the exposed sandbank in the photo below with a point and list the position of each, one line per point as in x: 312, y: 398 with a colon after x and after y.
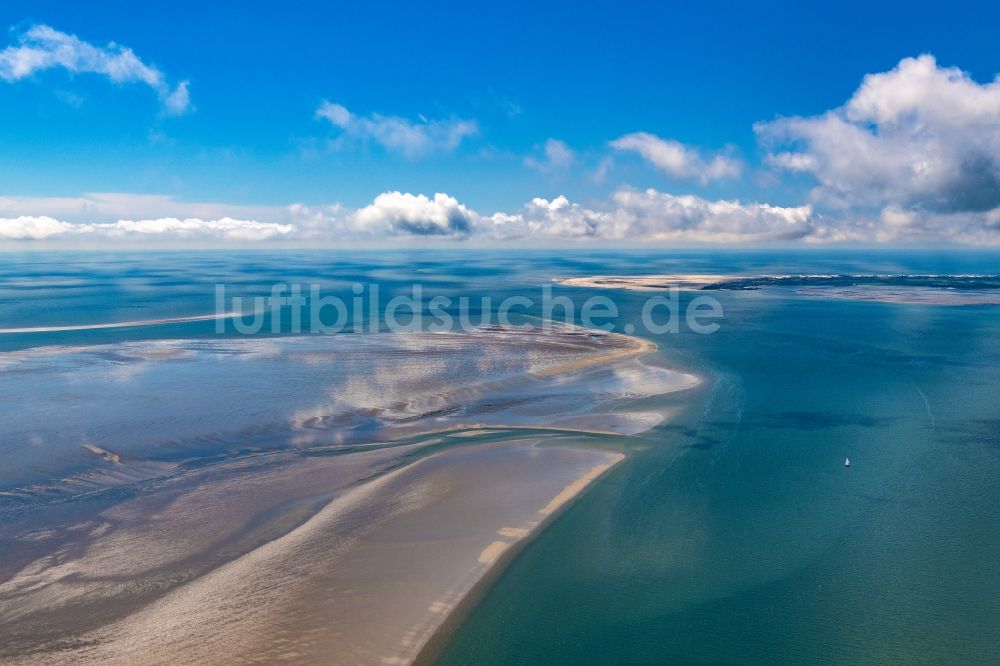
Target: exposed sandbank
x: 367, y: 579
x: 298, y: 555
x: 645, y: 282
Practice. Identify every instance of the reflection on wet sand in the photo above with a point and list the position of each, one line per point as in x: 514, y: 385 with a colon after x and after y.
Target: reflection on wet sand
x: 342, y: 529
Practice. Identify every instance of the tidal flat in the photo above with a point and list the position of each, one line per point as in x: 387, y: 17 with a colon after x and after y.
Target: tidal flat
x: 239, y: 500
x: 143, y: 462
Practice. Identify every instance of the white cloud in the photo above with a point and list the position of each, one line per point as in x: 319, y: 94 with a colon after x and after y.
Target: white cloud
x: 403, y: 213
x: 894, y: 224
x: 677, y: 160
x: 658, y: 216
x: 178, y: 101
x: 42, y: 47
x: 412, y: 139
x: 224, y: 228
x: 556, y: 155
x: 600, y: 174
x: 36, y: 228
x: 542, y: 218
x: 791, y: 161
x: 317, y: 222
x: 627, y: 217
x: 31, y: 228
x: 103, y: 207
x: 652, y: 216
x: 919, y: 138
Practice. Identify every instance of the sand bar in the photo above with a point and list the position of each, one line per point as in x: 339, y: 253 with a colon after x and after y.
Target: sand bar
x: 121, y: 324
x: 645, y: 282
x: 323, y: 552
x: 372, y: 574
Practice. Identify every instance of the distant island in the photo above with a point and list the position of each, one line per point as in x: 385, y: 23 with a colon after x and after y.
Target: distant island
x: 898, y: 288
x: 976, y: 282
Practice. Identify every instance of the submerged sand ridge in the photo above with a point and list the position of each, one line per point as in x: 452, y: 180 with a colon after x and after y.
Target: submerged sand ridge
x: 350, y: 544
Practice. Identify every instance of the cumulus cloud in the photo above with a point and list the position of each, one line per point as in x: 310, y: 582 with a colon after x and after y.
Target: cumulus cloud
x: 895, y: 224
x: 556, y: 155
x: 26, y: 227
x: 398, y: 212
x: 653, y: 216
x: 543, y: 218
x: 920, y: 137
x: 658, y: 216
x: 399, y: 135
x: 675, y: 159
x: 628, y: 216
x: 42, y: 47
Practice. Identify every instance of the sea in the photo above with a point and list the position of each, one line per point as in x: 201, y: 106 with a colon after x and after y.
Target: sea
x: 733, y: 533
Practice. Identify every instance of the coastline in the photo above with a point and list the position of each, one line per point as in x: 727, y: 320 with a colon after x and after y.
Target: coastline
x: 434, y: 642
x: 438, y: 640
x: 953, y: 290
x: 384, y: 571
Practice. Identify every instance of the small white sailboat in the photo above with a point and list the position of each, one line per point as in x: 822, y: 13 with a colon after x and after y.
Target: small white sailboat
x: 847, y: 462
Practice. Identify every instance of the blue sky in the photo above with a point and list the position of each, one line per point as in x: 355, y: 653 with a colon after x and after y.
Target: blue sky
x: 494, y: 105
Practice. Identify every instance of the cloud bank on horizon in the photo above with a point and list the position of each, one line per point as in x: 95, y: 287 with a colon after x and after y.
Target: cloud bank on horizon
x: 913, y: 156
x: 630, y: 215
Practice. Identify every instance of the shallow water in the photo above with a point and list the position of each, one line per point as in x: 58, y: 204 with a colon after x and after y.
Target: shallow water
x: 731, y: 534
x: 738, y: 536
x: 168, y: 402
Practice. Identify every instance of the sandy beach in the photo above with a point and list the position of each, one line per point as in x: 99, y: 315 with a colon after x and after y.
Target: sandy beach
x: 343, y: 548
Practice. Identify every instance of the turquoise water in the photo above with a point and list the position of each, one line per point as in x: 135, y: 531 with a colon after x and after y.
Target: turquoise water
x: 736, y: 536
x: 732, y: 534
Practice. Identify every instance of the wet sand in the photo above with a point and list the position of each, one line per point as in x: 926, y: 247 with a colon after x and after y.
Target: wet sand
x: 163, y: 405
x: 367, y: 579
x: 328, y: 553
